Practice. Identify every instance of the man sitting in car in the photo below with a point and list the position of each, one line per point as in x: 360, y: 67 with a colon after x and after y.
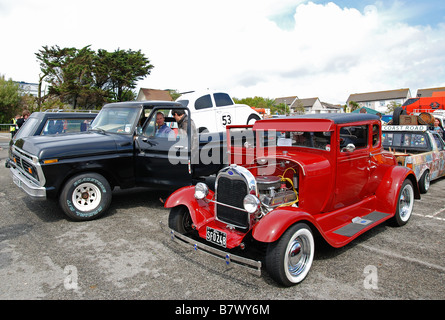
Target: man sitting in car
x: 162, y: 129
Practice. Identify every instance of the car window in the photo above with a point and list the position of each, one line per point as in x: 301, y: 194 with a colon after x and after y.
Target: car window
x: 243, y: 137
x: 155, y: 127
x: 56, y: 126
x: 405, y: 140
x: 116, y: 120
x: 375, y: 135
x: 439, y: 142
x: 222, y: 99
x: 203, y: 102
x: 142, y: 119
x: 357, y: 135
x: 315, y: 140
x: 27, y: 128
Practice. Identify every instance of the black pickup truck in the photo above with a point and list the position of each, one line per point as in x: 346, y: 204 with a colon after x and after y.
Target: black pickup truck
x: 121, y: 148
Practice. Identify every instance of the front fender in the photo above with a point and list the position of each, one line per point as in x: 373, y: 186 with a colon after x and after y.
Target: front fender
x: 274, y: 224
x: 388, y: 191
x: 181, y: 196
x: 200, y: 210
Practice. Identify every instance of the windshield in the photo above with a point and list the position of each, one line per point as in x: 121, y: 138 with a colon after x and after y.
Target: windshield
x: 27, y: 128
x: 245, y: 137
x: 116, y: 120
x: 314, y: 140
x: 405, y: 140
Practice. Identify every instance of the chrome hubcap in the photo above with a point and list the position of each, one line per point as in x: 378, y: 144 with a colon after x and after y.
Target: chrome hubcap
x: 406, y: 202
x: 427, y: 181
x: 298, y: 255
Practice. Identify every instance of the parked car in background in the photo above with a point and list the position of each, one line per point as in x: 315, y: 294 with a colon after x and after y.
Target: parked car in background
x: 52, y: 123
x: 290, y: 179
x: 49, y: 122
x: 418, y: 148
x: 213, y: 111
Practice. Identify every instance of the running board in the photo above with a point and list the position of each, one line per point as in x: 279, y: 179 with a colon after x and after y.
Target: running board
x: 359, y: 223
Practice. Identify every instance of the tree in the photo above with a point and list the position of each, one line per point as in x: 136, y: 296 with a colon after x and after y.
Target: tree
x: 174, y: 94
x: 86, y: 79
x: 256, y: 102
x: 279, y: 109
x: 392, y: 105
x: 299, y: 108
x: 69, y: 71
x: 10, y: 98
x: 122, y: 69
x: 353, y: 106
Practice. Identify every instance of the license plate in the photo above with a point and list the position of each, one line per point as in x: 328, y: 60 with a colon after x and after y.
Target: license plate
x: 216, y: 237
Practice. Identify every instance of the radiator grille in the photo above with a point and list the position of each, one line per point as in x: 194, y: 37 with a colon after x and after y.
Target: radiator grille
x: 21, y: 161
x: 231, y: 191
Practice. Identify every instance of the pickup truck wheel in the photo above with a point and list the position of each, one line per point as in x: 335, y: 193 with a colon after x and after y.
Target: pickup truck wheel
x: 85, y: 197
x: 289, y: 259
x: 405, y: 204
x: 180, y: 220
x: 424, y: 182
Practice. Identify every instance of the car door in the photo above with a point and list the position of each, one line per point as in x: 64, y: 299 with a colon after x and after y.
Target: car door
x: 161, y: 160
x: 440, y: 156
x: 204, y: 113
x: 225, y: 113
x: 353, y: 165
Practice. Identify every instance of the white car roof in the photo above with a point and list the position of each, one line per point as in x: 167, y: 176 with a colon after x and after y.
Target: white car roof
x: 193, y: 95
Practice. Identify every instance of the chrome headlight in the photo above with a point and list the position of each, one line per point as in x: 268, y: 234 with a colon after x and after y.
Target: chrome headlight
x: 201, y: 191
x: 251, y: 203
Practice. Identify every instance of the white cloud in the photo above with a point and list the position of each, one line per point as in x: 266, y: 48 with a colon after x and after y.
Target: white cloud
x: 243, y: 47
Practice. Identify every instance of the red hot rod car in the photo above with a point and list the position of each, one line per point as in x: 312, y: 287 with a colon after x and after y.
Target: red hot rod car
x: 289, y: 180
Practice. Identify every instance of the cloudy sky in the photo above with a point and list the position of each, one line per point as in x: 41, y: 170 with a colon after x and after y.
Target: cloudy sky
x: 267, y: 48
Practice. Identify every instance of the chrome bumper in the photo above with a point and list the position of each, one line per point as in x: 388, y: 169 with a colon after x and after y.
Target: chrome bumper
x: 229, y: 259
x: 27, y: 185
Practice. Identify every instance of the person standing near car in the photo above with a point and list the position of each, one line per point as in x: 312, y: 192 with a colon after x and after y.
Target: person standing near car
x: 182, y: 120
x: 438, y: 127
x: 25, y: 116
x: 14, y: 127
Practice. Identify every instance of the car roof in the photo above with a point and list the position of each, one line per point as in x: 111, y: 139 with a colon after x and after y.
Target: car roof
x: 193, y: 95
x: 340, y: 118
x: 314, y: 122
x: 61, y: 115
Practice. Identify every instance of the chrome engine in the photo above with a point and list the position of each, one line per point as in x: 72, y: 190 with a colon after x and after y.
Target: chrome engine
x: 273, y: 192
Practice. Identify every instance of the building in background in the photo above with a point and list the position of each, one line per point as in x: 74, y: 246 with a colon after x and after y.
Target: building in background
x: 29, y: 88
x: 381, y: 100
x: 296, y: 105
x: 153, y: 94
x: 426, y: 93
